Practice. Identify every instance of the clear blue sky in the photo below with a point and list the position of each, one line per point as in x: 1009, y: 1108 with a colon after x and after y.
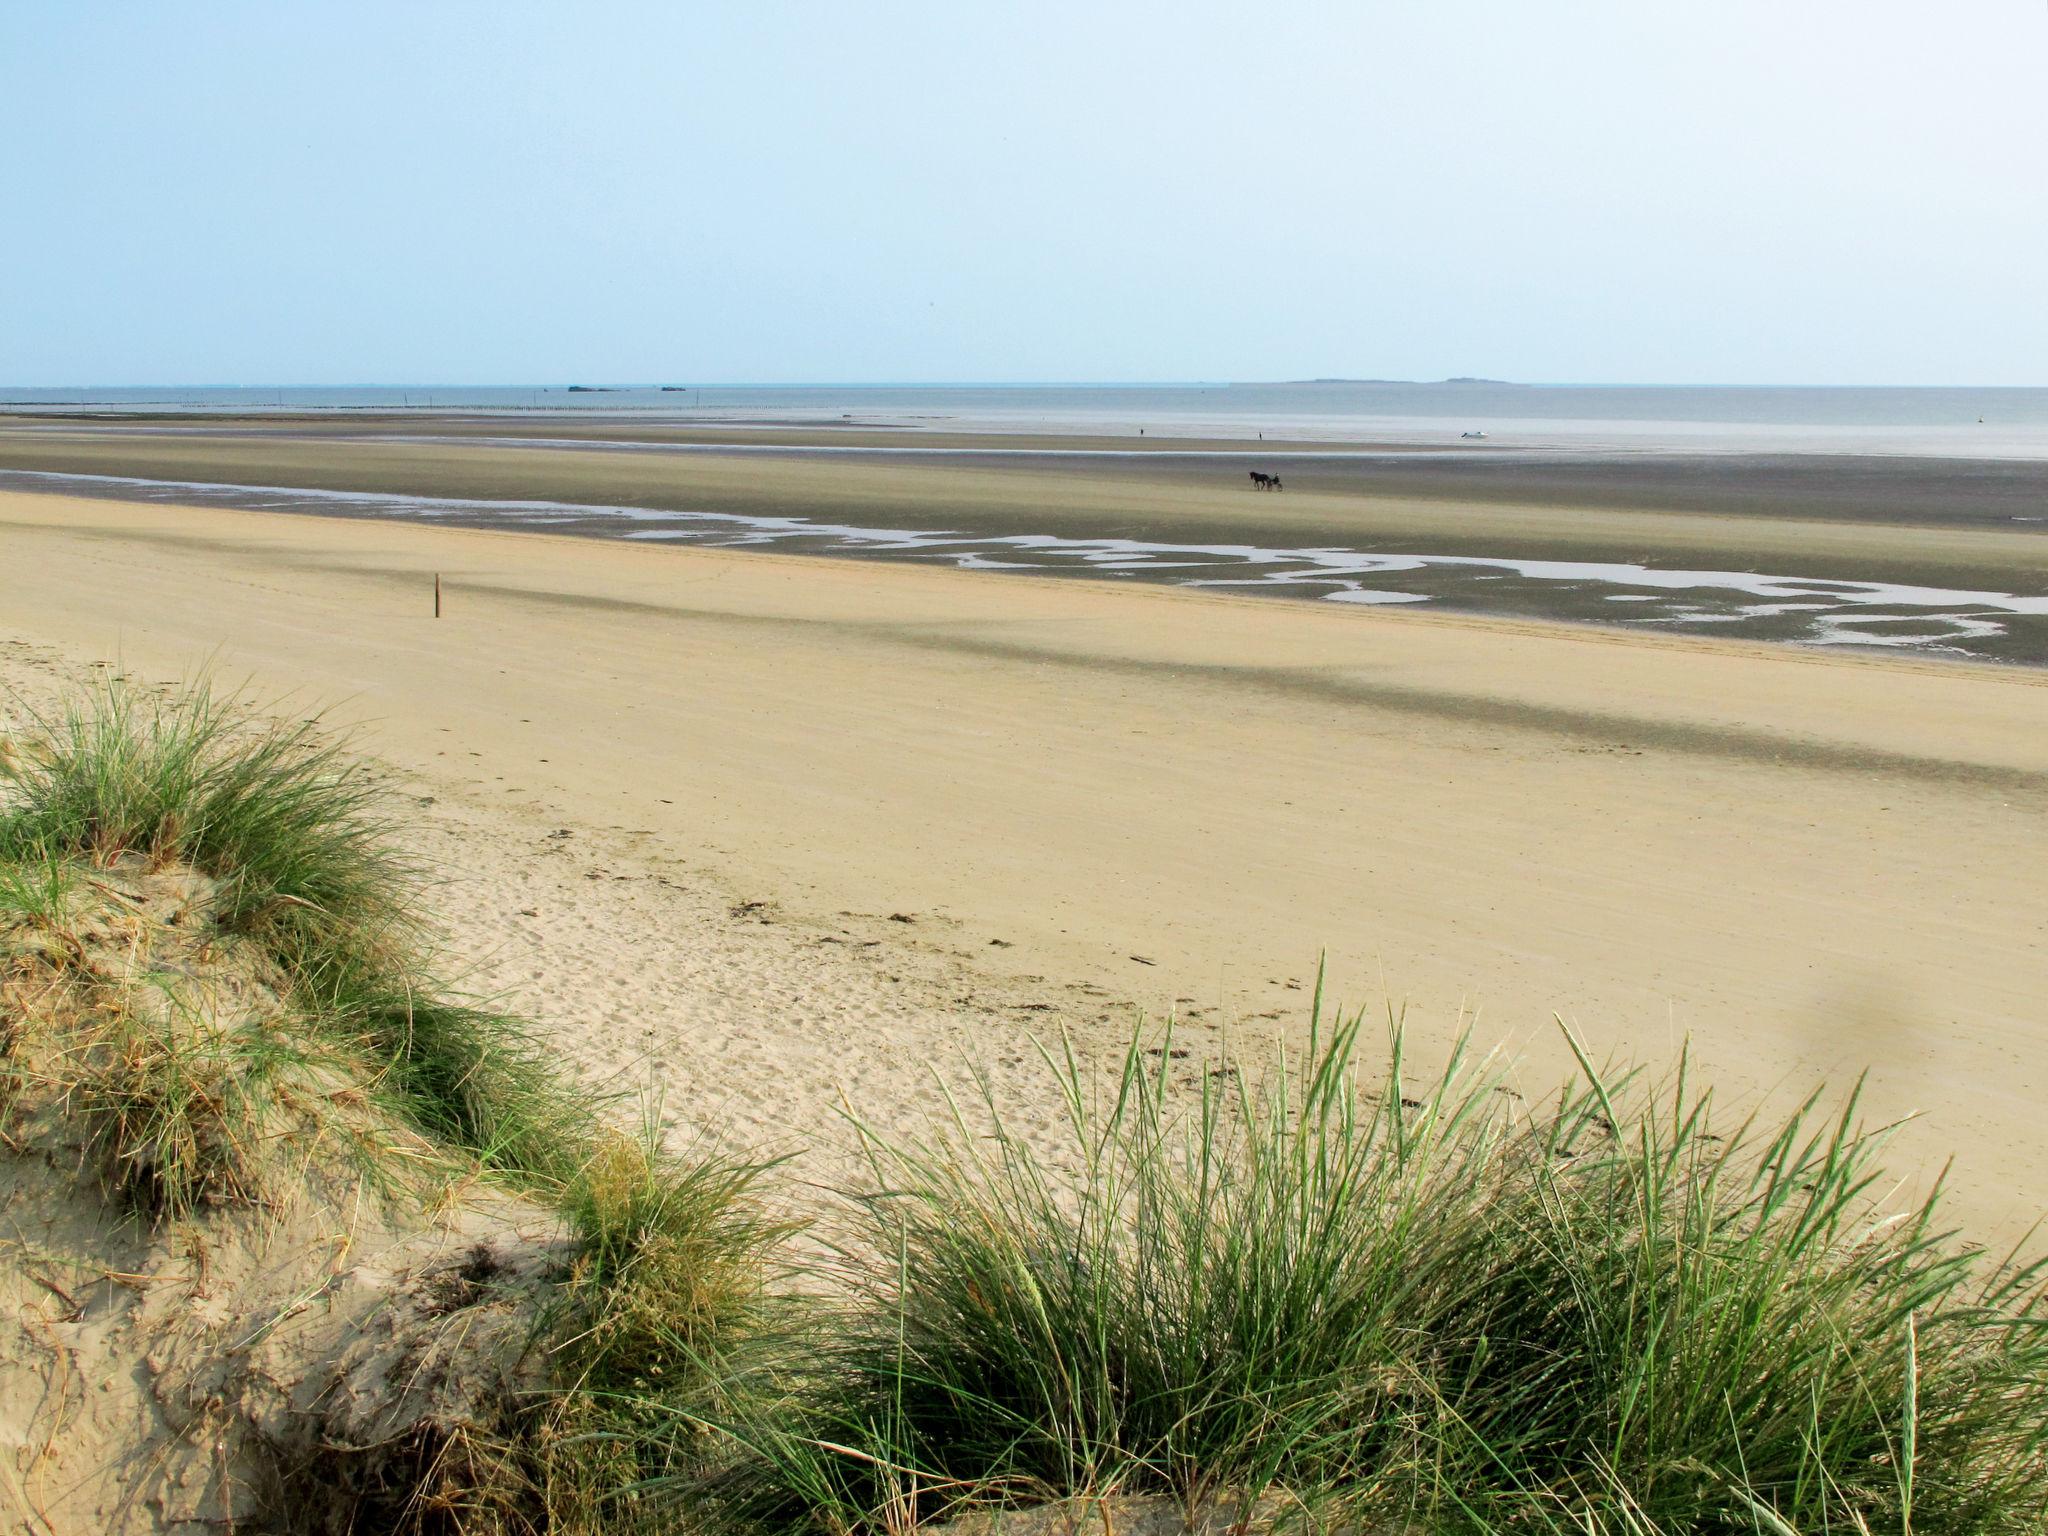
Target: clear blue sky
x: 1770, y: 191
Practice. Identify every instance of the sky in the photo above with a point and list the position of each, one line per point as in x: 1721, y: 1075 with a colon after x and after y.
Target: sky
x: 355, y: 191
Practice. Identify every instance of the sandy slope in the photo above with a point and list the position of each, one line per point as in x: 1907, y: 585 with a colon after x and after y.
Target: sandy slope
x: 1808, y: 863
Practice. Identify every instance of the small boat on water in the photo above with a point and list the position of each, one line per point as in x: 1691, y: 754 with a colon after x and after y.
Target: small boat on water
x: 1471, y: 434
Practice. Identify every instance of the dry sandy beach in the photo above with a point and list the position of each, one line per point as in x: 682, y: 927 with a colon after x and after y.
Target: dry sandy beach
x: 774, y: 831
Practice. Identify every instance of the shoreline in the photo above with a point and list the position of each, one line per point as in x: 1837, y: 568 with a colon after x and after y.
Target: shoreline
x: 1152, y: 799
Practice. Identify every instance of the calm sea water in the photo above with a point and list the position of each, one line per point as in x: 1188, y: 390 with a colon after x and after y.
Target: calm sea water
x: 1972, y: 423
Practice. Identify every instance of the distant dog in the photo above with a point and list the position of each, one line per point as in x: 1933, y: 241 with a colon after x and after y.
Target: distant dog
x: 1264, y: 482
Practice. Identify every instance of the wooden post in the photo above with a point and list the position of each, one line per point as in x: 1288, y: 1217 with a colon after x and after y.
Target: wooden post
x: 437, y: 594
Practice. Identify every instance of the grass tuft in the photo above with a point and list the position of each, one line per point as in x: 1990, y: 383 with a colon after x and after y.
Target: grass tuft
x: 290, y: 830
x: 1425, y: 1306
x: 178, y: 1113
x: 466, y: 1075
x: 37, y: 891
x: 180, y: 1110
x: 279, y: 813
x: 670, y: 1295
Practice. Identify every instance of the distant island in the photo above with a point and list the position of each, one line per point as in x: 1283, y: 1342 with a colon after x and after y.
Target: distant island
x: 1510, y: 383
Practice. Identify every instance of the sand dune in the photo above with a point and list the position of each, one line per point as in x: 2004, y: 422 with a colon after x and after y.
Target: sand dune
x: 1089, y: 799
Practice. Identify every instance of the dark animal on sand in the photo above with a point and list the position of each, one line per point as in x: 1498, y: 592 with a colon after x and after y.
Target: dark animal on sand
x: 1264, y: 482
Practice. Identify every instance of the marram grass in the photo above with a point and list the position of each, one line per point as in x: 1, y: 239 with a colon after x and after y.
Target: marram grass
x: 279, y: 813
x: 291, y: 829
x: 1427, y: 1310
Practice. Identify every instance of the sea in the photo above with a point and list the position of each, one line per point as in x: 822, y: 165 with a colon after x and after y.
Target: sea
x: 2002, y: 423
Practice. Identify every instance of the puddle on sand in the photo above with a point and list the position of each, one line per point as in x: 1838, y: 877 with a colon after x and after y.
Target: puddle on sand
x: 1798, y: 609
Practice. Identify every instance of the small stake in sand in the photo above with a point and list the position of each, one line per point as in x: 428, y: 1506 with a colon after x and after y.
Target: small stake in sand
x: 437, y: 594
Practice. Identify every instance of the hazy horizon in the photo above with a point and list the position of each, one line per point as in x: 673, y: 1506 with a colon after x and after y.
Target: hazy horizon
x: 686, y: 383
x: 241, y: 195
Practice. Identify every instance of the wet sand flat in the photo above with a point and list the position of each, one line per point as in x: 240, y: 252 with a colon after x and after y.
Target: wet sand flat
x: 1571, y: 505
x: 1952, y: 527
x: 1948, y: 492
x: 1808, y: 863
